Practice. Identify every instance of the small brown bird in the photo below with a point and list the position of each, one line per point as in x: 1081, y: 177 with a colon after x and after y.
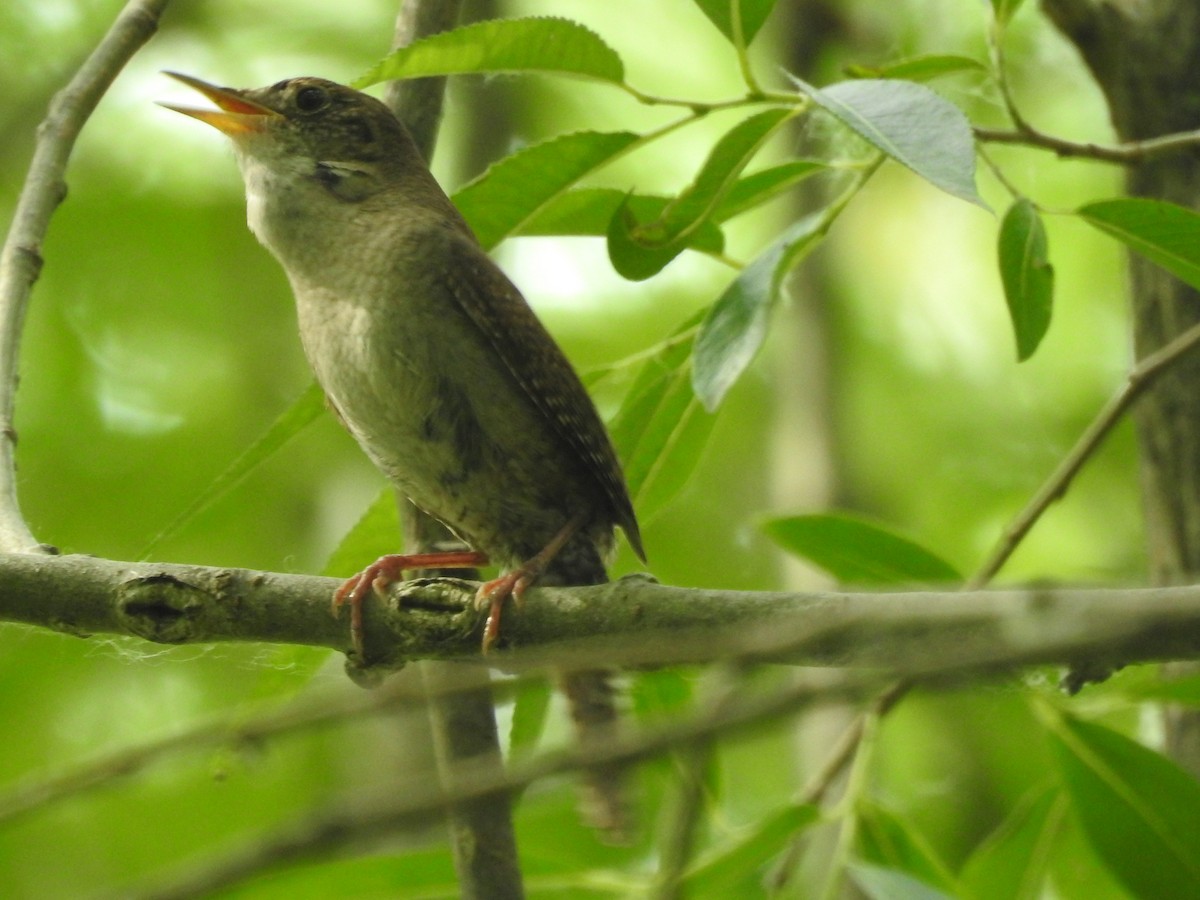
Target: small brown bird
x: 428, y: 353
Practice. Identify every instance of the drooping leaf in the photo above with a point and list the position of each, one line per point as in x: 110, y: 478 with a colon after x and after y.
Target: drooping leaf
x: 290, y: 422
x: 1165, y: 233
x: 1012, y: 863
x: 753, y: 14
x: 661, y: 429
x: 886, y: 840
x: 859, y: 552
x: 1140, y: 811
x: 538, y: 44
x: 911, y: 124
x: 919, y: 68
x: 734, y: 329
x: 1027, y: 275
x: 732, y: 864
x: 513, y: 190
x: 879, y: 883
x: 589, y: 211
x: 751, y: 191
x: 639, y: 249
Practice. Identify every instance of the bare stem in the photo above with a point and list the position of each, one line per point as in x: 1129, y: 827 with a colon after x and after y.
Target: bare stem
x: 21, y: 258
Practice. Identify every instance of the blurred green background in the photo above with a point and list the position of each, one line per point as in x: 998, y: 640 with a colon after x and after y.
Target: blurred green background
x: 161, y: 343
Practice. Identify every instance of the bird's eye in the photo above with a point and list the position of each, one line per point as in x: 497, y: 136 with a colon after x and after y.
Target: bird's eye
x: 311, y: 99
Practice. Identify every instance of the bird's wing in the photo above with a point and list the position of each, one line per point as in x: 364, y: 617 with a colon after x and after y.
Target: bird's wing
x: 497, y: 308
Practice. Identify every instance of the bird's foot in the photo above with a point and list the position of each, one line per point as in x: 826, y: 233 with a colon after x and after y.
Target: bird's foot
x: 387, y: 570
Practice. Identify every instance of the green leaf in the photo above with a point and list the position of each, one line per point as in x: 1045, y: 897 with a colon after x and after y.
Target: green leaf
x: 1163, y: 232
x: 1140, y: 811
x: 1027, y: 275
x: 912, y: 125
x: 753, y: 190
x: 550, y: 45
x: 1005, y: 10
x: 734, y: 329
x: 727, y: 867
x: 919, y: 68
x: 884, y: 839
x: 377, y: 532
x: 589, y: 212
x: 307, y: 407
x: 512, y: 191
x: 661, y: 430
x: 1012, y: 863
x: 859, y: 552
x: 641, y: 249
x: 879, y: 883
x: 753, y: 14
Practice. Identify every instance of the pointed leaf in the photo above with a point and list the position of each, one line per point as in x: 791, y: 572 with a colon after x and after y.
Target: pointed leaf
x: 538, y: 44
x: 736, y: 324
x: 859, y: 552
x: 661, y: 430
x: 753, y: 14
x: 307, y: 407
x: 919, y: 68
x: 885, y: 839
x: 753, y: 190
x: 1005, y: 10
x: 912, y: 125
x: 512, y: 191
x: 1140, y: 811
x: 1012, y: 863
x: 589, y: 212
x: 1027, y: 275
x: 639, y: 249
x: 1164, y: 233
x: 728, y: 867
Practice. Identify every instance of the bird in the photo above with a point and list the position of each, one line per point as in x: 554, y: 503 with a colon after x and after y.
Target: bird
x: 432, y: 359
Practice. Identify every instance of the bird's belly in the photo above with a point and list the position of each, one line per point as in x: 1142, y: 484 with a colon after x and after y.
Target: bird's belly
x: 435, y: 411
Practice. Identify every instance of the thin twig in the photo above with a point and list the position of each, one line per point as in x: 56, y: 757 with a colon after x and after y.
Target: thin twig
x: 21, y: 258
x: 1127, y: 154
x: 1140, y: 378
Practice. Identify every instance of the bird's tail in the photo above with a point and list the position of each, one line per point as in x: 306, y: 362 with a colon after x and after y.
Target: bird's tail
x: 605, y: 802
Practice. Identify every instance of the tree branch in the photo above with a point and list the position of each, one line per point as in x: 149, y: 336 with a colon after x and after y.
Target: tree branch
x: 21, y: 258
x: 631, y: 622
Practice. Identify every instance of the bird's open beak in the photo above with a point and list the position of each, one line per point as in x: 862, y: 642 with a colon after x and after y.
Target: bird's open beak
x: 237, y: 114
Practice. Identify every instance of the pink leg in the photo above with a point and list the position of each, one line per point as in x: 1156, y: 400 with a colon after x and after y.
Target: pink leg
x: 388, y: 570
x: 516, y: 582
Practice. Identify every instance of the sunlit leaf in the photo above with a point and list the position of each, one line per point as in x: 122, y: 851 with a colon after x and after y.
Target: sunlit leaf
x: 1012, y: 863
x: 753, y: 14
x: 553, y: 45
x: 911, y: 124
x: 514, y: 190
x: 661, y: 429
x: 859, y: 552
x: 290, y: 422
x: 919, y: 68
x: 734, y: 329
x: 1164, y: 233
x: 1027, y: 275
x: 589, y: 211
x: 1140, y: 811
x: 729, y: 865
